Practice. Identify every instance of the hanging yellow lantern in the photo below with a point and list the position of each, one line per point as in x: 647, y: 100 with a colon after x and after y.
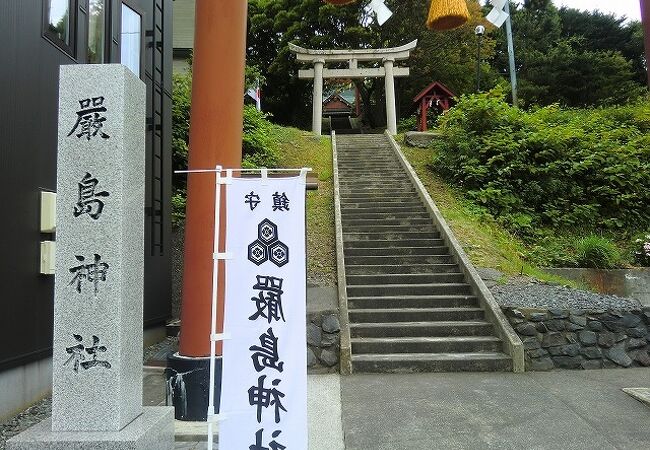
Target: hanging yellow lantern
x: 340, y: 2
x: 447, y: 14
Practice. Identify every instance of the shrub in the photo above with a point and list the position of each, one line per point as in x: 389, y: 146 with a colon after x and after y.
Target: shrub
x: 260, y: 148
x: 642, y: 251
x: 407, y: 124
x: 551, y: 167
x: 179, y: 200
x: 597, y: 252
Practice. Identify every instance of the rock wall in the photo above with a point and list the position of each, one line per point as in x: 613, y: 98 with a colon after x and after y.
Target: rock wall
x: 323, y: 342
x: 582, y: 339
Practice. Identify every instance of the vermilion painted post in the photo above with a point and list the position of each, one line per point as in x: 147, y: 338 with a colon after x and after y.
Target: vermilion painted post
x: 424, y: 106
x: 215, y: 139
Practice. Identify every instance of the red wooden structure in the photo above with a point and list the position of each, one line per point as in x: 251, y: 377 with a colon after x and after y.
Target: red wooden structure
x: 335, y: 105
x: 436, y: 95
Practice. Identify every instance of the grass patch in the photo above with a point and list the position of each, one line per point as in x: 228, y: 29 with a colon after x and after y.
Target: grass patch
x: 301, y: 149
x: 486, y: 243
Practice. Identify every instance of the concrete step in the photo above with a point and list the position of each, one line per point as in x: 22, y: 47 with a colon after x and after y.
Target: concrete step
x: 379, y: 290
x: 421, y: 329
x: 377, y: 197
x: 388, y: 235
x: 395, y: 260
x: 377, y: 192
x: 432, y: 362
x: 382, y: 228
x: 388, y: 251
x: 375, y: 186
x: 380, y: 206
x: 399, y: 269
x: 372, y: 213
x: 392, y: 243
x: 393, y: 278
x: 356, y: 180
x: 413, y: 301
x: 405, y: 221
x: 355, y: 214
x: 387, y: 205
x: 400, y: 315
x: 374, y: 158
x: 446, y: 344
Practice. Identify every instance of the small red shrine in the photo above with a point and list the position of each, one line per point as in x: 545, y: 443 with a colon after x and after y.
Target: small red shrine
x: 436, y: 95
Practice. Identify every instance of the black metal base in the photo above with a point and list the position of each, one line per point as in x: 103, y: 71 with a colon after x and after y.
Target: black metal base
x: 188, y: 381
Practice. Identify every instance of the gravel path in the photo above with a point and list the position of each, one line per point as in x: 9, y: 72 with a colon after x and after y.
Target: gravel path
x: 526, y: 292
x: 18, y: 424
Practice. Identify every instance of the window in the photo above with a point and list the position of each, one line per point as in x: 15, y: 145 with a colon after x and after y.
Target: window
x: 59, y: 23
x: 131, y: 39
x: 96, y: 31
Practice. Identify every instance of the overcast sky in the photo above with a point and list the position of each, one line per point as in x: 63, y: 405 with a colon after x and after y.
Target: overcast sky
x: 628, y: 8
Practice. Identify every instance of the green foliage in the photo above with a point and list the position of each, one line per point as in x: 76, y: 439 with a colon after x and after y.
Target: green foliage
x: 550, y: 168
x: 597, y: 252
x: 642, y: 250
x: 260, y: 149
x: 409, y: 123
x: 179, y: 200
x: 448, y: 57
x: 181, y: 99
x: 571, y: 57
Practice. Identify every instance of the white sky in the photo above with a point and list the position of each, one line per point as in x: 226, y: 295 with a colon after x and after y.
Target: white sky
x: 628, y: 8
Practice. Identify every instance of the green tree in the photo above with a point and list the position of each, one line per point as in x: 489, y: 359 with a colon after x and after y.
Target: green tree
x: 571, y: 57
x: 449, y: 57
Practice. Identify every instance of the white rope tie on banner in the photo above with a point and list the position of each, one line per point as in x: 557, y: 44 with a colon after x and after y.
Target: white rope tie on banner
x: 264, y: 174
x: 215, y: 337
x: 223, y: 256
x: 228, y: 179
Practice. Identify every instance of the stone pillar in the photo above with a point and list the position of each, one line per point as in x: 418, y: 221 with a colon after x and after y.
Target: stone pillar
x: 98, y: 294
x: 391, y: 115
x: 317, y: 117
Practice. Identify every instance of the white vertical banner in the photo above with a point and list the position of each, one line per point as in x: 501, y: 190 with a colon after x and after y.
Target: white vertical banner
x: 264, y: 379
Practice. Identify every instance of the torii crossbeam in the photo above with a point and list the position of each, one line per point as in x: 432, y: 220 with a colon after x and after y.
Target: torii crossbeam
x: 387, y: 56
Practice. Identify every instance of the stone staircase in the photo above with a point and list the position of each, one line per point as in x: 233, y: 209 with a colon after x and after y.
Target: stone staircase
x: 410, y: 307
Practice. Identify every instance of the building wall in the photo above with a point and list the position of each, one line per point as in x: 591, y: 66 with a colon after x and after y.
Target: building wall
x: 28, y: 126
x: 183, y: 40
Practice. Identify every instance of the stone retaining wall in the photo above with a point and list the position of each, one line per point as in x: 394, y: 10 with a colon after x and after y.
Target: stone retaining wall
x: 578, y: 339
x: 323, y: 342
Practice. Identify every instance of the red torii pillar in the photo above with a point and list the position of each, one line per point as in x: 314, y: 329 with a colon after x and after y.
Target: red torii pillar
x: 216, y: 125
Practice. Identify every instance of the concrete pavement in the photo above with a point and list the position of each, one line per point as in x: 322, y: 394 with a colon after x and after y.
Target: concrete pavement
x: 323, y: 404
x: 556, y: 410
x: 543, y: 410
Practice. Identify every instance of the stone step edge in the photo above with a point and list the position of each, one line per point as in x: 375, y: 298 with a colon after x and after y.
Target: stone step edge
x: 435, y: 323
x: 460, y: 356
x: 423, y: 339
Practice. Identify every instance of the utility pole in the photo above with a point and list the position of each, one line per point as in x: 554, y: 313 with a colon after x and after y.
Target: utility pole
x: 215, y: 139
x: 645, y: 21
x: 511, y: 55
x: 479, y: 31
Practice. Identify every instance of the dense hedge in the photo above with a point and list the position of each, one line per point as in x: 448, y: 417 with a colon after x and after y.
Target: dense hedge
x: 551, y: 167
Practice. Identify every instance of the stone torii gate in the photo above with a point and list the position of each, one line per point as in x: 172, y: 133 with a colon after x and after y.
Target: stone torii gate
x: 387, y: 56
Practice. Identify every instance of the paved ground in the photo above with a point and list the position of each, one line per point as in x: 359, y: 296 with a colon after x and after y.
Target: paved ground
x: 323, y: 402
x: 556, y: 410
